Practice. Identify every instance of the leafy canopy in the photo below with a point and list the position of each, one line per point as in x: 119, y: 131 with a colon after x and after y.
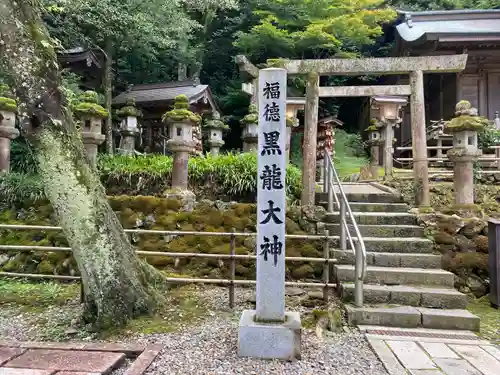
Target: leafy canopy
x: 313, y: 28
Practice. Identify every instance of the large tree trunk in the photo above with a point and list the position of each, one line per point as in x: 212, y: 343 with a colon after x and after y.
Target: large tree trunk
x: 117, y: 284
x: 108, y: 93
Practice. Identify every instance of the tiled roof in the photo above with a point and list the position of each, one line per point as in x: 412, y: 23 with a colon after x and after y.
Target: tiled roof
x: 442, y: 25
x: 164, y: 92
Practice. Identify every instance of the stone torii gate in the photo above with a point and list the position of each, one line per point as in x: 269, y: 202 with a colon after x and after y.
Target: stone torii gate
x: 414, y: 66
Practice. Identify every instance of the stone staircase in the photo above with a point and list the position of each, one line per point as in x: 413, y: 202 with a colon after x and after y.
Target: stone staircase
x: 404, y: 284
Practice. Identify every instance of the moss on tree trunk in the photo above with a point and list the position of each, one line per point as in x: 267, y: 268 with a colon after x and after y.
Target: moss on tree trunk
x: 117, y: 285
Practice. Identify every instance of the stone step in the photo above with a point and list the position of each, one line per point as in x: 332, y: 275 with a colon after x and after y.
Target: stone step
x: 393, y: 244
x: 381, y: 259
x: 397, y: 276
x: 381, y: 230
x: 371, y: 207
x: 363, y: 197
x: 375, y: 218
x: 413, y: 317
x: 442, y: 298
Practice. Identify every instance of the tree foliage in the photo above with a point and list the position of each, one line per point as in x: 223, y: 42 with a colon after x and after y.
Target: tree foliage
x: 313, y: 28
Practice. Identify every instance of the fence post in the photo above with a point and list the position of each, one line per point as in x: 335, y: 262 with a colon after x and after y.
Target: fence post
x: 326, y: 266
x: 232, y: 268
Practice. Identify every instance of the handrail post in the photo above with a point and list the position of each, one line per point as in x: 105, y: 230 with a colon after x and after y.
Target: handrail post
x: 326, y: 169
x: 326, y: 266
x: 343, y: 242
x: 329, y: 181
x: 358, y: 272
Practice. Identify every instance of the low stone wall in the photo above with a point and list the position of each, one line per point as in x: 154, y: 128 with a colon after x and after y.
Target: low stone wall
x: 166, y: 214
x: 463, y: 242
x: 489, y: 178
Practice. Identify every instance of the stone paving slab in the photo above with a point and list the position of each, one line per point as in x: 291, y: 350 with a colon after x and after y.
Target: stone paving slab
x: 24, y: 371
x: 434, y: 356
x: 68, y: 360
x: 6, y: 354
x: 73, y: 358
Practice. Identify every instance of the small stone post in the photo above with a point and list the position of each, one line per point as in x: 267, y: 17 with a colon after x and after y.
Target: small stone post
x: 128, y: 127
x: 215, y: 128
x: 465, y: 151
x: 90, y: 114
x: 180, y: 121
x: 8, y: 131
x: 269, y: 331
x: 250, y: 131
x: 374, y: 141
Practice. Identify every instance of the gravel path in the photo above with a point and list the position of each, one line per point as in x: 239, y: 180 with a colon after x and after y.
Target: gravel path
x: 210, y: 347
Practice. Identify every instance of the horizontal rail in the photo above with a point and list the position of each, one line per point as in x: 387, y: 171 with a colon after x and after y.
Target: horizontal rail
x: 446, y: 159
x: 174, y: 280
x: 169, y: 254
x: 170, y: 232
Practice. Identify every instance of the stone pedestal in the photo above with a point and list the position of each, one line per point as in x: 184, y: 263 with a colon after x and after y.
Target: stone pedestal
x: 7, y: 133
x: 91, y: 141
x: 215, y: 146
x: 463, y: 174
x: 180, y: 166
x: 374, y: 160
x: 127, y: 143
x: 269, y: 340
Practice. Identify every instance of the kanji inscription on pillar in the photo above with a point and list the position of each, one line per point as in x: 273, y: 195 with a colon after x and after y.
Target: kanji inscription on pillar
x: 271, y: 195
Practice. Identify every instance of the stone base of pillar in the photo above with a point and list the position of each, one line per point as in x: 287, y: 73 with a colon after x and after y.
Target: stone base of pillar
x: 250, y: 143
x: 186, y: 197
x: 269, y: 340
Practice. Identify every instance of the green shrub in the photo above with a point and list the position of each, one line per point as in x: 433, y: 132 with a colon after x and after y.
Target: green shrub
x: 229, y: 175
x: 488, y: 137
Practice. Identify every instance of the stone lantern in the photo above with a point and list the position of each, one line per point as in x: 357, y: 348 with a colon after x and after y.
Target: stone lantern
x: 129, y: 129
x: 250, y: 131
x: 215, y: 128
x: 464, y: 128
x: 387, y: 109
x: 90, y: 115
x: 181, y: 122
x: 374, y: 141
x: 8, y: 131
x: 293, y: 105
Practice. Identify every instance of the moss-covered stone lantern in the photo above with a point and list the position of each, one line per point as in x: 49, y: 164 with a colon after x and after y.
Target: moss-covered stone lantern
x: 215, y: 128
x: 251, y: 131
x: 129, y: 129
x: 8, y: 131
x: 181, y: 121
x: 90, y: 115
x: 464, y: 128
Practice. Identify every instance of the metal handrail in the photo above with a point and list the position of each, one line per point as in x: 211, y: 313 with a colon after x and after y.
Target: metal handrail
x: 331, y: 179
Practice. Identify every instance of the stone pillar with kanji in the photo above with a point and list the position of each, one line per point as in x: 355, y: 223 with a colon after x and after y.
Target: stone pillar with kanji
x: 181, y: 122
x: 90, y: 115
x: 465, y: 152
x: 270, y: 331
x: 374, y: 141
x: 250, y: 129
x: 215, y: 128
x: 8, y: 131
x: 129, y: 129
